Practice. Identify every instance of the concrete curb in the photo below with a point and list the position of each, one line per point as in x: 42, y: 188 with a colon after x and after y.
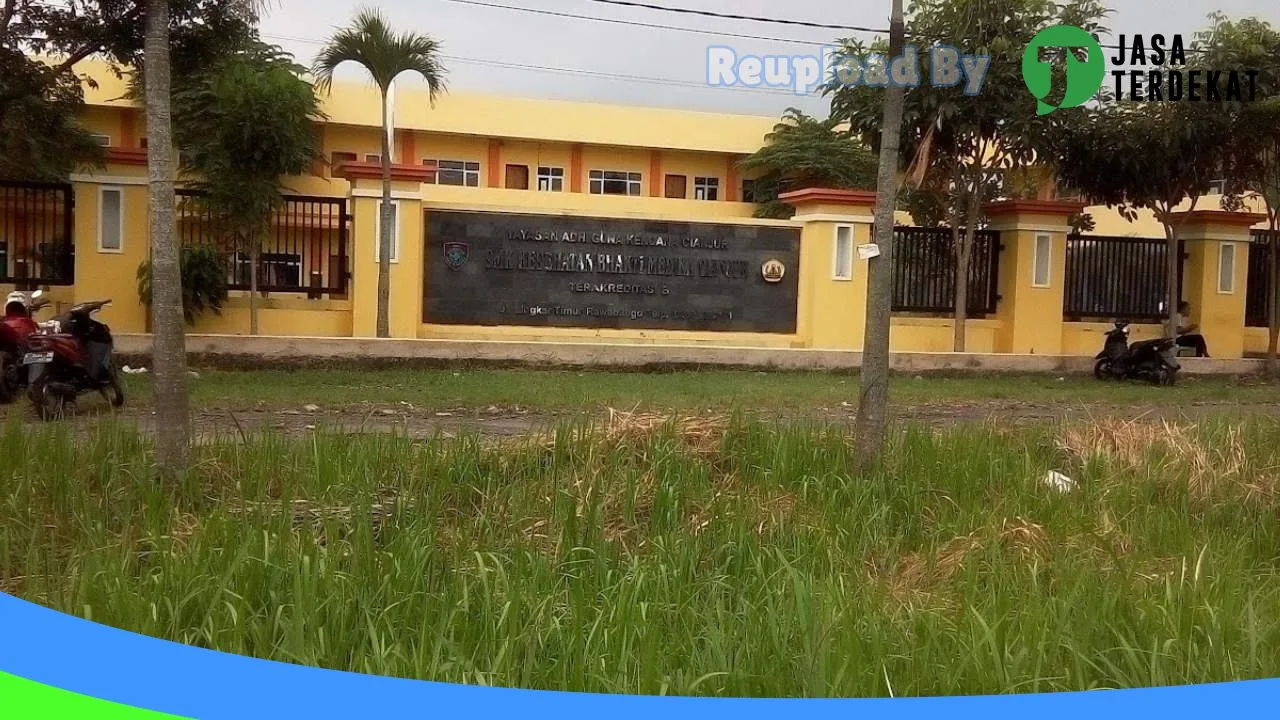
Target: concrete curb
x: 261, y: 351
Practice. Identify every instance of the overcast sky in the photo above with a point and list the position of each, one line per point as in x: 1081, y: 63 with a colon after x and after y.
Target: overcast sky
x: 576, y: 59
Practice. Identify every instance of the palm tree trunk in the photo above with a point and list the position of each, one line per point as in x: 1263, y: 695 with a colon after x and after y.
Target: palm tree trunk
x: 1173, y: 293
x: 384, y: 239
x: 1273, y: 292
x: 255, y: 253
x: 169, y: 353
x: 871, y: 426
x: 964, y: 258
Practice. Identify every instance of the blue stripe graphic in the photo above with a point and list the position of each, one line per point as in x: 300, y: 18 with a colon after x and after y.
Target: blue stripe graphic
x: 73, y: 654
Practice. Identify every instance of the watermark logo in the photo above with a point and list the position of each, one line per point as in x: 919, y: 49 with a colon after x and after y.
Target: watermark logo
x: 1084, y: 79
x: 803, y: 74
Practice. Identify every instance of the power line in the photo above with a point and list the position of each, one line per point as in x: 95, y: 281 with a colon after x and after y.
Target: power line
x: 752, y: 18
x: 633, y: 23
x: 672, y: 82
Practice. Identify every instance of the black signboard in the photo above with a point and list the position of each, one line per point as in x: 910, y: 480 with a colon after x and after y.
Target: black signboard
x: 552, y: 270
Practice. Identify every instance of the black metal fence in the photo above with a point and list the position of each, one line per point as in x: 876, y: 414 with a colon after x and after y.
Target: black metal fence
x: 1258, y: 290
x: 1116, y: 277
x: 36, y: 245
x: 307, y: 250
x: 924, y: 271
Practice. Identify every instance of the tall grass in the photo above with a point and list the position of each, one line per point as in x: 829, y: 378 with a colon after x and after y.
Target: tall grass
x: 686, y: 557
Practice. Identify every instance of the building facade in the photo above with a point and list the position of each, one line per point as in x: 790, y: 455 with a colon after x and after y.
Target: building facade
x: 541, y: 220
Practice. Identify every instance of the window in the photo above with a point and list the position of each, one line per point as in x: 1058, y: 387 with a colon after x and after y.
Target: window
x: 1218, y: 187
x: 676, y: 186
x: 395, y: 233
x: 281, y: 270
x: 110, y: 220
x: 1042, y: 271
x: 103, y: 140
x: 706, y: 188
x: 338, y: 159
x: 551, y: 179
x: 518, y: 177
x: 842, y: 264
x: 373, y: 158
x: 749, y: 191
x: 457, y: 172
x: 615, y: 182
x: 1227, y: 268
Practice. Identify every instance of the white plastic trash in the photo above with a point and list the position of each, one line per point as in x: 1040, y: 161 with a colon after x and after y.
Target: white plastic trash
x: 1057, y: 481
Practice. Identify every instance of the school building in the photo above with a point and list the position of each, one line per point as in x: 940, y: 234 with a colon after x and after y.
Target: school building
x: 540, y: 220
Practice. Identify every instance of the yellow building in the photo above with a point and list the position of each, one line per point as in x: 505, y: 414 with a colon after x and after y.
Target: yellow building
x: 541, y: 220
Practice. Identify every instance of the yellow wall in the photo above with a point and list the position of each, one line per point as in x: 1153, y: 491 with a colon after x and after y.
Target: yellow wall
x: 106, y: 275
x: 937, y: 335
x: 279, y: 316
x: 533, y: 155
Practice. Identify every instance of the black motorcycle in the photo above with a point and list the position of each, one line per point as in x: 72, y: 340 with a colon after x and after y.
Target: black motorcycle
x: 1155, y: 361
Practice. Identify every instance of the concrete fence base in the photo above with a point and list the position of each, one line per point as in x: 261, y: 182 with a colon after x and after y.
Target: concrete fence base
x: 265, y: 352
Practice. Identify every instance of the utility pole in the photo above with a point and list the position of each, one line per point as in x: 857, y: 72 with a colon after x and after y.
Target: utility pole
x: 871, y: 426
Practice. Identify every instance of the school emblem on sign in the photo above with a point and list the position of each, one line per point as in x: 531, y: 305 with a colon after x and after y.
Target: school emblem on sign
x: 455, y: 255
x: 773, y: 271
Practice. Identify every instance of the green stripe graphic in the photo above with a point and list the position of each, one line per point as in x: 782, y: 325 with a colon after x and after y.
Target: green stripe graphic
x: 22, y: 699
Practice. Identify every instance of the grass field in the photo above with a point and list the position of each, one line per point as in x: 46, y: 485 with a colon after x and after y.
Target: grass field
x: 725, y: 389
x: 695, y: 557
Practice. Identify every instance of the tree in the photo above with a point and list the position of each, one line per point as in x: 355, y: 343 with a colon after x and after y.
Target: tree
x: 1254, y: 158
x: 242, y: 126
x: 803, y: 151
x: 370, y: 42
x: 959, y: 143
x: 1154, y: 156
x: 870, y: 426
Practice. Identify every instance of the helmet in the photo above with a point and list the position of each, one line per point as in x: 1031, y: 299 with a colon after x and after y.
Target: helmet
x: 17, y: 302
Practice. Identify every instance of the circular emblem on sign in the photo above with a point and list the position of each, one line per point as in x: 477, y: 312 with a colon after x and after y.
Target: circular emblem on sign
x: 455, y: 255
x: 773, y: 271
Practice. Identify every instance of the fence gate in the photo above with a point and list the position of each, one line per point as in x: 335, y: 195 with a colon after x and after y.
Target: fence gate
x: 36, y: 246
x: 306, y: 250
x: 924, y: 271
x: 1117, y: 278
x: 1258, y: 290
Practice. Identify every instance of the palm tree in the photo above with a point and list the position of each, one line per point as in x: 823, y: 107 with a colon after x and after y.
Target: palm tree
x: 370, y: 42
x: 169, y: 345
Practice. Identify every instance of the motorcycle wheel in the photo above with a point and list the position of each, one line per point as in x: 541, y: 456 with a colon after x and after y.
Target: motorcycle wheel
x: 9, y: 385
x: 116, y: 395
x: 48, y: 405
x: 1102, y: 370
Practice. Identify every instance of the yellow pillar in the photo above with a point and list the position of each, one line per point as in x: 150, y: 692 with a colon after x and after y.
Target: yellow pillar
x: 1217, y: 271
x: 1033, y: 260
x: 405, y: 306
x: 111, y: 273
x: 832, y: 309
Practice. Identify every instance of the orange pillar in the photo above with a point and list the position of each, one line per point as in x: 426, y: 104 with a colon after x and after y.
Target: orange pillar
x: 495, y: 163
x: 575, y: 169
x: 655, y: 173
x: 128, y: 129
x: 731, y: 179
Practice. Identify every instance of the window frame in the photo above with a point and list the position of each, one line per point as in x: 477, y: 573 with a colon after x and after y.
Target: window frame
x: 102, y: 192
x: 397, y: 228
x: 706, y: 186
x: 1036, y: 251
x: 836, y: 254
x: 1222, y: 253
x: 469, y: 169
x: 633, y: 180
x: 553, y: 175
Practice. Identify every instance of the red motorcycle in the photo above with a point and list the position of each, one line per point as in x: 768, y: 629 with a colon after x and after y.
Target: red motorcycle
x: 73, y: 357
x: 16, y: 327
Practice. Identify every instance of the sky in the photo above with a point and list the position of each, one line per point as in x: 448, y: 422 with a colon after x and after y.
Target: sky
x: 499, y: 50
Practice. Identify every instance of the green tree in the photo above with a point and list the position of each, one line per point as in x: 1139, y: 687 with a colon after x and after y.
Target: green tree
x: 803, y: 151
x: 1144, y: 156
x: 241, y: 127
x: 371, y: 43
x: 1254, y: 157
x: 957, y: 143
